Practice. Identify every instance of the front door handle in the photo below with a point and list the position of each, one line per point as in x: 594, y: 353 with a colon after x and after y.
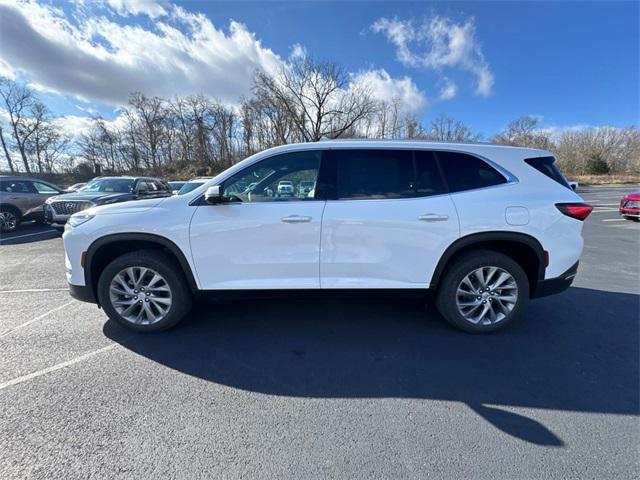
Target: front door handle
x: 296, y: 219
x: 433, y: 217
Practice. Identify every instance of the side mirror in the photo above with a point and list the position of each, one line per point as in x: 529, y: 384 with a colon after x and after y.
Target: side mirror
x: 213, y: 195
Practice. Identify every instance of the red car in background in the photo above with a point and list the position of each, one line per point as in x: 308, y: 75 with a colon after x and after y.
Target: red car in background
x: 630, y: 206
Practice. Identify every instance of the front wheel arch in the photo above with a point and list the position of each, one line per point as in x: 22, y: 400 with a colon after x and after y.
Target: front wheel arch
x: 105, y: 249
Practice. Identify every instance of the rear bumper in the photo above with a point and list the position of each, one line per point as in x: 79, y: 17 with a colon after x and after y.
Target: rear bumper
x: 82, y: 293
x: 559, y: 284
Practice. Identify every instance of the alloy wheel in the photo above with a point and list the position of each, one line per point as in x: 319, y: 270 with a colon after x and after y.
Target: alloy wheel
x: 9, y: 221
x: 140, y: 295
x: 486, y: 295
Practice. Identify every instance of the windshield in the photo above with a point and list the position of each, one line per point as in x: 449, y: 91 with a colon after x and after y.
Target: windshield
x: 115, y: 185
x: 189, y: 187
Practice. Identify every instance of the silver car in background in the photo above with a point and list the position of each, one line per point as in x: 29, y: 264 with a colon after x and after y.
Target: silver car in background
x: 22, y: 199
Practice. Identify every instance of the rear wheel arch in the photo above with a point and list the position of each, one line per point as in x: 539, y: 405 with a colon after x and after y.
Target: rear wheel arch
x: 105, y: 249
x: 12, y: 208
x: 522, y: 248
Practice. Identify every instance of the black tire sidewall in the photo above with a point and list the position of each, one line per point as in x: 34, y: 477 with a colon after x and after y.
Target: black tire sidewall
x: 165, y: 266
x: 446, y: 296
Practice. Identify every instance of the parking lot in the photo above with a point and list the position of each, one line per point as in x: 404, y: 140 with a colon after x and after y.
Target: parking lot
x: 325, y: 388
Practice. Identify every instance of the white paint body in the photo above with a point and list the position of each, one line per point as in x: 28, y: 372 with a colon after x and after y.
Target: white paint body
x: 344, y: 243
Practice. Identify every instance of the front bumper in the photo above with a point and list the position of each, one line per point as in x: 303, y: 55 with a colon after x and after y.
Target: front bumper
x: 630, y: 212
x: 54, y: 219
x: 559, y: 284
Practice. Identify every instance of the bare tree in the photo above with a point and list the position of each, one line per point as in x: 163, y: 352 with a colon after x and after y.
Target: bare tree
x: 19, y: 102
x: 446, y: 129
x: 525, y: 132
x: 6, y: 151
x: 316, y: 98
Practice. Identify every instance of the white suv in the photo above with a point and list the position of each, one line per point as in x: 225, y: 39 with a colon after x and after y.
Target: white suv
x: 484, y: 226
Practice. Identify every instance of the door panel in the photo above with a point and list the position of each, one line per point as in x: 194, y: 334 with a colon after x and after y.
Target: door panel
x: 385, y: 243
x: 257, y: 245
x: 264, y: 235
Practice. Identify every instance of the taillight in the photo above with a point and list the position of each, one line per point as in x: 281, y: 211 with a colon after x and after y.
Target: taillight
x: 579, y: 211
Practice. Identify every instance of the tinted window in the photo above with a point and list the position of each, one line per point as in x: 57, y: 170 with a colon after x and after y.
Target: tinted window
x: 278, y: 178
x: 189, y: 186
x: 114, y: 185
x: 428, y: 178
x: 15, y: 186
x: 375, y: 174
x: 466, y: 172
x: 547, y: 166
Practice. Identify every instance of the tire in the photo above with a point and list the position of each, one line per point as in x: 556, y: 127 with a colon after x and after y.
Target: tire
x: 500, y: 305
x: 178, y: 296
x: 10, y: 218
x: 634, y: 219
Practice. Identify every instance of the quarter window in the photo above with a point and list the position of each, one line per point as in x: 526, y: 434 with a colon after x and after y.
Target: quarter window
x: 466, y: 172
x: 286, y: 177
x: 44, y: 189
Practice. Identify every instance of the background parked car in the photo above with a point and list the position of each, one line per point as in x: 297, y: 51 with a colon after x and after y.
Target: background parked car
x: 102, y: 191
x: 23, y: 198
x: 193, y: 184
x: 630, y: 206
x: 305, y: 187
x: 175, y: 186
x: 75, y: 187
x: 285, y: 188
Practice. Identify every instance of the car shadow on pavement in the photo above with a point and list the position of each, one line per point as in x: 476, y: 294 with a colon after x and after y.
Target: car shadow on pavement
x: 578, y: 351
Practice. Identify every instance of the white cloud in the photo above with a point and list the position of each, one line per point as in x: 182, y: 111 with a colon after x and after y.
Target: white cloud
x: 101, y: 60
x: 383, y: 87
x: 151, y: 8
x: 449, y: 90
x: 439, y: 43
x: 298, y: 52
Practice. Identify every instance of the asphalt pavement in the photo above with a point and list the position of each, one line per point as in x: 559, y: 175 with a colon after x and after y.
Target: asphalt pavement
x: 326, y: 388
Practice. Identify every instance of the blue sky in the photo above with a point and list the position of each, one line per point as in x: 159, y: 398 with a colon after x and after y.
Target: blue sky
x: 571, y: 63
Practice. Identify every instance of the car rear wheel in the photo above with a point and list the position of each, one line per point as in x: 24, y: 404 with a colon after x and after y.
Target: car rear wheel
x: 482, y: 291
x: 635, y: 219
x: 144, y: 291
x: 9, y: 219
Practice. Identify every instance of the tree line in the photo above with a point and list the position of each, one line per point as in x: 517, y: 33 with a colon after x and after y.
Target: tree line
x: 304, y: 102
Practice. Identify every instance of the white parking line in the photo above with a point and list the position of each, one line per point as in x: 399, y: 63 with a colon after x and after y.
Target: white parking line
x: 27, y: 235
x: 40, y: 317
x: 58, y: 366
x: 604, y: 210
x: 35, y: 290
x: 613, y: 219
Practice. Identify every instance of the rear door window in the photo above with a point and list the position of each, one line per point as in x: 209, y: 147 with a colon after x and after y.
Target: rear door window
x: 467, y: 172
x: 375, y: 174
x: 16, y: 186
x: 547, y: 166
x: 428, y: 178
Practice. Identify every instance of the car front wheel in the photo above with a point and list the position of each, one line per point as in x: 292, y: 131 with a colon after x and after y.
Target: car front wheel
x: 482, y: 291
x: 144, y: 291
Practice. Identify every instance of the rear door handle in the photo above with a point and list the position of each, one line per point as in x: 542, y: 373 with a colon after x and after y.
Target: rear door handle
x: 296, y: 219
x: 433, y: 217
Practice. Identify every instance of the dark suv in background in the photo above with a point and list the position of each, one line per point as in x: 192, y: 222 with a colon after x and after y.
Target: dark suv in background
x: 103, y: 191
x: 22, y: 199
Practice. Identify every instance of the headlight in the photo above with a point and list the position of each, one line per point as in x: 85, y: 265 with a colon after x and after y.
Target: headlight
x: 78, y: 219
